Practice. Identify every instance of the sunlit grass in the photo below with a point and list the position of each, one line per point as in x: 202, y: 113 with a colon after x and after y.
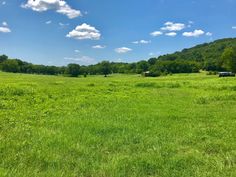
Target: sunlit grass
x: 123, y: 125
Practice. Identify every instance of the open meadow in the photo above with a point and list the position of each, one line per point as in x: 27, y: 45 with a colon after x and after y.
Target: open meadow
x: 120, y: 126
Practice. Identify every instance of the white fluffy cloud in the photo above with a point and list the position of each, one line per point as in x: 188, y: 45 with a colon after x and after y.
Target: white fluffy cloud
x: 4, y: 3
x: 84, y: 31
x: 170, y: 26
x: 123, y: 50
x: 171, y: 34
x: 99, y: 47
x: 233, y: 27
x: 4, y: 28
x: 60, y: 6
x: 156, y: 33
x: 141, y: 42
x: 195, y: 33
x: 4, y: 24
x: 209, y: 34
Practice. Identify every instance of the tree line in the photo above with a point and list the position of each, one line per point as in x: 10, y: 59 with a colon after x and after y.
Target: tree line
x: 216, y: 56
x: 103, y: 68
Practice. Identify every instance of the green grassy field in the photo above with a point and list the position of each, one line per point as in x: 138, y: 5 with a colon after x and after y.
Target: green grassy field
x: 120, y: 126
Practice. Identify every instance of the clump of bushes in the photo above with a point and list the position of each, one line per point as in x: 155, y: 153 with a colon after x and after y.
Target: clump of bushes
x: 212, y: 73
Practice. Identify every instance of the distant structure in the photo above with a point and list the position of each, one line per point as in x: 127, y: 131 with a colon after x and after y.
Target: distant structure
x: 226, y: 74
x: 146, y: 74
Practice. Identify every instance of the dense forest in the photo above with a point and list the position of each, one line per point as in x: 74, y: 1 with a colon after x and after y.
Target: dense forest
x: 219, y: 55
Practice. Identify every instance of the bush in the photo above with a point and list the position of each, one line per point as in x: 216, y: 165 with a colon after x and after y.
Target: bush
x: 212, y: 73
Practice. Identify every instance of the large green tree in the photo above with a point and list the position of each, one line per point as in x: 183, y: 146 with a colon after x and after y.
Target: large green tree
x: 105, y: 68
x: 229, y: 59
x: 3, y: 58
x: 10, y: 66
x: 73, y: 70
x: 142, y: 66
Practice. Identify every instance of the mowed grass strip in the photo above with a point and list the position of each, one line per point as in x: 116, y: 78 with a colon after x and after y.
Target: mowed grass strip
x: 120, y: 126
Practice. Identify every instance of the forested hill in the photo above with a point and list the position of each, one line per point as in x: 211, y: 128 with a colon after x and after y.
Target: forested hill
x: 215, y: 56
x: 207, y: 54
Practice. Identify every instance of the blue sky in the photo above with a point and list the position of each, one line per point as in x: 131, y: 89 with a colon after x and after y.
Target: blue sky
x: 58, y: 32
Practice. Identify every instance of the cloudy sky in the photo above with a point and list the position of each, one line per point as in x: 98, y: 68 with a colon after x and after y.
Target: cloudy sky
x: 58, y: 32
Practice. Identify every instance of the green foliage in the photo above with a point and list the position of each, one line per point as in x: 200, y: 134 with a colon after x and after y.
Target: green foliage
x: 73, y: 70
x: 212, y: 73
x: 18, y: 66
x: 105, y: 68
x: 3, y: 58
x: 10, y: 66
x: 176, y: 66
x: 121, y: 126
x: 208, y: 55
x: 142, y: 66
x: 152, y: 61
x: 229, y: 59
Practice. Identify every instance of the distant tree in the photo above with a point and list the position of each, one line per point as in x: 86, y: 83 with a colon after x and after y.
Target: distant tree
x: 142, y: 66
x: 178, y: 66
x: 132, y: 68
x: 62, y: 70
x: 123, y: 68
x: 10, y: 66
x: 229, y: 59
x: 92, y: 69
x: 198, y: 56
x: 152, y: 61
x: 105, y: 68
x: 52, y: 70
x: 172, y: 57
x: 73, y: 70
x: 3, y: 58
x: 213, y: 65
x: 84, y: 70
